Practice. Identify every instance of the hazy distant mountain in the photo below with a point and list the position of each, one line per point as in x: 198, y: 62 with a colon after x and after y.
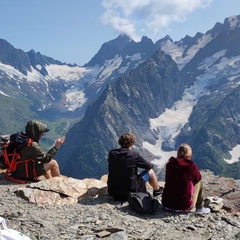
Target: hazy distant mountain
x: 37, y: 86
x: 50, y: 90
x: 165, y: 107
x: 114, y: 58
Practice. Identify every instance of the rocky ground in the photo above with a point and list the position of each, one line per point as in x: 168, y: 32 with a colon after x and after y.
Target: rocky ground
x: 100, y: 217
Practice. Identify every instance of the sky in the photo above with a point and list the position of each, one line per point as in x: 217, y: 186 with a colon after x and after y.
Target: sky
x: 72, y: 31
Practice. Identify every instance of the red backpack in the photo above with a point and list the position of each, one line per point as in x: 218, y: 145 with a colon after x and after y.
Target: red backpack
x: 11, y: 153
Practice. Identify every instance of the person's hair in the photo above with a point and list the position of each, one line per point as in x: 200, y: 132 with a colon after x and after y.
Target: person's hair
x: 126, y: 140
x: 184, y: 151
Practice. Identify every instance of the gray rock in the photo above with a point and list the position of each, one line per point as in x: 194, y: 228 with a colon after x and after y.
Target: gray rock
x: 214, y: 203
x: 94, y: 215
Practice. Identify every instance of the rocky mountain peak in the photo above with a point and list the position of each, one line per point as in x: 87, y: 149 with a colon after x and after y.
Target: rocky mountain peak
x: 109, y: 49
x: 14, y: 57
x: 163, y: 41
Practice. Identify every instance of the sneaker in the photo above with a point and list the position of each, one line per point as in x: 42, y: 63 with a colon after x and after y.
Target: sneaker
x: 158, y: 192
x: 202, y: 210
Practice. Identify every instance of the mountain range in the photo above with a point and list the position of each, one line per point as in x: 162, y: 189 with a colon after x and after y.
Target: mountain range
x: 165, y: 93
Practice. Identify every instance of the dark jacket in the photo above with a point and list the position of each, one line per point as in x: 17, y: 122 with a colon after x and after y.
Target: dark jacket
x: 123, y: 165
x: 34, y: 129
x: 181, y: 176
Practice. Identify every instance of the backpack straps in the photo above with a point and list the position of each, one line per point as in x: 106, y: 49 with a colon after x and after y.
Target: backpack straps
x: 6, y: 155
x: 8, y: 173
x: 12, y: 160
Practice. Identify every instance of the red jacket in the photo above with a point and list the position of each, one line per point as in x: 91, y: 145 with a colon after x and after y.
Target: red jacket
x: 181, y: 176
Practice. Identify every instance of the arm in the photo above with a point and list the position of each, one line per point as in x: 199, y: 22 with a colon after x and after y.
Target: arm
x: 142, y: 163
x: 196, y: 174
x: 37, y: 154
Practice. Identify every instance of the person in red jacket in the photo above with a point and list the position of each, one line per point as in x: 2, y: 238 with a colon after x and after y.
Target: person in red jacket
x: 183, y: 188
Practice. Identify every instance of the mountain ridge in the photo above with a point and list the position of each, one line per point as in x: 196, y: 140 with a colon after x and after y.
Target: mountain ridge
x: 59, y: 94
x: 205, y: 87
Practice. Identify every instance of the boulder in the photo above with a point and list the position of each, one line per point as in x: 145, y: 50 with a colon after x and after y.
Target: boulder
x: 214, y: 203
x: 61, y: 190
x: 221, y: 187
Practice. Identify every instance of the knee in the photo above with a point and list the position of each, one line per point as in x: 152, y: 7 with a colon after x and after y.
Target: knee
x: 54, y: 163
x: 151, y: 172
x: 198, y: 184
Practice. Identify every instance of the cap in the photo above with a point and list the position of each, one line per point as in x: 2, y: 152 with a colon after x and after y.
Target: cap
x: 46, y: 130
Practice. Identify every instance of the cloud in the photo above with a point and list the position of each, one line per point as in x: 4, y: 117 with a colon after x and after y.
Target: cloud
x: 151, y: 18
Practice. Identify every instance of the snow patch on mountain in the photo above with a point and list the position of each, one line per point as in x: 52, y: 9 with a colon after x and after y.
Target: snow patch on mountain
x: 174, y: 51
x: 180, y: 54
x: 76, y: 76
x: 65, y: 72
x: 113, y: 63
x: 169, y: 124
x: 10, y: 71
x: 75, y: 99
x: 55, y: 72
x: 219, y: 65
x: 33, y: 76
x: 4, y: 94
x: 75, y: 96
x: 235, y: 155
x: 135, y: 57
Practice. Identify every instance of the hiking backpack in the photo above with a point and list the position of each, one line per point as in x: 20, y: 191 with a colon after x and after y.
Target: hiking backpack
x: 10, y: 155
x: 143, y: 202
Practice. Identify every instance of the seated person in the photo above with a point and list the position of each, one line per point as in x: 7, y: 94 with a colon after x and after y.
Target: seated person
x: 33, y: 161
x: 123, y: 165
x: 183, y: 186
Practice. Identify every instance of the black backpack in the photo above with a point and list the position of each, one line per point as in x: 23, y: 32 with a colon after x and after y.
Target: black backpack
x: 3, y: 141
x: 143, y: 202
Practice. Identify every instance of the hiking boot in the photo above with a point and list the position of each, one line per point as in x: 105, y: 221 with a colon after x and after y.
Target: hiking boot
x: 202, y: 210
x: 158, y: 192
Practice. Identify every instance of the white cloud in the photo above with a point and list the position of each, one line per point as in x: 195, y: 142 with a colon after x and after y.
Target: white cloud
x: 147, y: 17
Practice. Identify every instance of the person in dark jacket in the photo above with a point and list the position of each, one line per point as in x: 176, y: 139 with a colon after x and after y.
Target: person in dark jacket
x: 41, y: 163
x: 183, y: 186
x: 123, y: 166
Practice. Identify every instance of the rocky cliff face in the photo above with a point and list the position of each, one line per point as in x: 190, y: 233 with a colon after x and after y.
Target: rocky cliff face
x: 66, y: 208
x: 125, y: 105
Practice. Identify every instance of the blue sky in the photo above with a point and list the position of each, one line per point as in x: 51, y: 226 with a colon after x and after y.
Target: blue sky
x: 72, y: 31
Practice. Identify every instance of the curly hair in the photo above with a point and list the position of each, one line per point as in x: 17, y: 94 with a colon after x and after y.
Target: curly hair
x: 126, y: 140
x: 184, y: 151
